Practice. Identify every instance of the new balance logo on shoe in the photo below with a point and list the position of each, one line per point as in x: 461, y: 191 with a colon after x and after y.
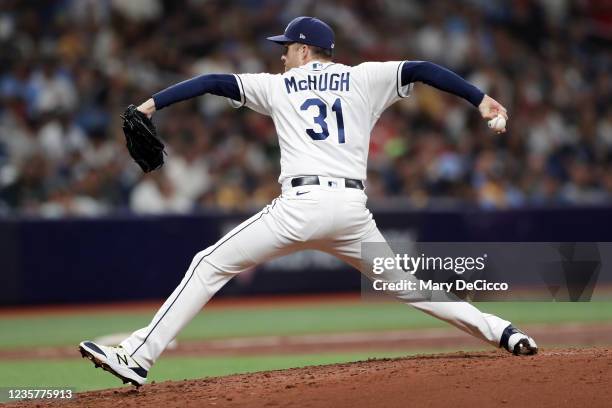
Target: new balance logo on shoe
x: 121, y: 358
x: 125, y: 367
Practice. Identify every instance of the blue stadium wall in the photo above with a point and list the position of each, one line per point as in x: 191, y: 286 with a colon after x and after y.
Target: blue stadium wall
x: 137, y: 258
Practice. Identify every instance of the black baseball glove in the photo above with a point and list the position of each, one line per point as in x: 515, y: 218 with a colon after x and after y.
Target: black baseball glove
x: 141, y: 139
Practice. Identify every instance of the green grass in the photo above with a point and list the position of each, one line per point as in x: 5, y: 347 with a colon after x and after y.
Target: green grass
x: 80, y: 375
x: 56, y: 330
x: 65, y: 329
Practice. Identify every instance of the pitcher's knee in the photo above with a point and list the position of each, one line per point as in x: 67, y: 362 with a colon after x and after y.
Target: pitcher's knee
x: 198, y: 259
x: 202, y: 264
x: 213, y: 264
x: 207, y: 272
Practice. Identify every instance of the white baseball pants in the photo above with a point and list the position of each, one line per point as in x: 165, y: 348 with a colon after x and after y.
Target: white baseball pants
x: 326, y: 217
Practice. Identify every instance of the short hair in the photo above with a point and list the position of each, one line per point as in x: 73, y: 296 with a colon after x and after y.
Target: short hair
x: 322, y: 52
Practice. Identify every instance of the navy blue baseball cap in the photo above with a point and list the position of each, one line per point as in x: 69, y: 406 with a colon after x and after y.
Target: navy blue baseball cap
x: 307, y: 30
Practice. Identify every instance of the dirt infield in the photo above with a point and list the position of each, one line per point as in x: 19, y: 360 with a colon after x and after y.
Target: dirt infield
x: 554, y: 378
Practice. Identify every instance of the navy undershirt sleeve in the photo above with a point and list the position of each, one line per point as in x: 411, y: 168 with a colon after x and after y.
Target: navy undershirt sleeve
x: 216, y: 84
x: 440, y: 78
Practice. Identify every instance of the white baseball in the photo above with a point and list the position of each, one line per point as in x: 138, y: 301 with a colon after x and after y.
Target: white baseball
x: 498, y: 123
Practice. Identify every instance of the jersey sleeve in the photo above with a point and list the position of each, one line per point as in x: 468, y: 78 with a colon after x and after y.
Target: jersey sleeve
x: 384, y: 84
x: 255, y: 92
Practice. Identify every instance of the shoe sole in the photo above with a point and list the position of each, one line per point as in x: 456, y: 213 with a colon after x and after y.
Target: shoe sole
x: 100, y: 364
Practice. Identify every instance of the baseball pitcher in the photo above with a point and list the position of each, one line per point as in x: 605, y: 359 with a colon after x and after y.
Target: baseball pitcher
x: 323, y: 113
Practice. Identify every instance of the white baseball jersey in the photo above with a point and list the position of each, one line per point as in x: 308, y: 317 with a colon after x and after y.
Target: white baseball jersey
x: 324, y: 113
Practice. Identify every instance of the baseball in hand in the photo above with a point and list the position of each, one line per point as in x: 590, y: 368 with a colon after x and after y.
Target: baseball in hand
x: 498, y: 123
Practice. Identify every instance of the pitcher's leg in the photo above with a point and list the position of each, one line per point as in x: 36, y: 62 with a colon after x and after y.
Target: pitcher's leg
x: 196, y: 288
x: 460, y: 314
x: 249, y: 244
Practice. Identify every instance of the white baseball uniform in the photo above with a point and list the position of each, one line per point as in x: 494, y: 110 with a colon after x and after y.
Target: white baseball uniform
x: 323, y: 113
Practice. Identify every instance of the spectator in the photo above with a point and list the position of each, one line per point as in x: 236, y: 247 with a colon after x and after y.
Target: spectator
x: 70, y: 69
x: 155, y: 194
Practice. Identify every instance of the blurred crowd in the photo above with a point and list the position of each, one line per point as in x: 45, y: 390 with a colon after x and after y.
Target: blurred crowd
x: 69, y: 67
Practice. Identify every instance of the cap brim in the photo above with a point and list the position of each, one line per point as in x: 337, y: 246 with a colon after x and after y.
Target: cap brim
x: 279, y: 39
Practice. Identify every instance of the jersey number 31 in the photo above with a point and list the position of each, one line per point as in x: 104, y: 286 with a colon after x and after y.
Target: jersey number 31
x: 320, y: 119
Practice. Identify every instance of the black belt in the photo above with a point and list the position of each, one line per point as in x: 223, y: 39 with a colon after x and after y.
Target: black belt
x: 314, y: 180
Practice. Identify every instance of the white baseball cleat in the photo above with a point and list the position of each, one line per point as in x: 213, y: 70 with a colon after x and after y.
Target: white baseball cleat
x: 517, y: 342
x: 116, y: 361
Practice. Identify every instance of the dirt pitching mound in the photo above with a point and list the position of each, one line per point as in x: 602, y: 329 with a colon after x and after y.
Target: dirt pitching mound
x: 553, y: 378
